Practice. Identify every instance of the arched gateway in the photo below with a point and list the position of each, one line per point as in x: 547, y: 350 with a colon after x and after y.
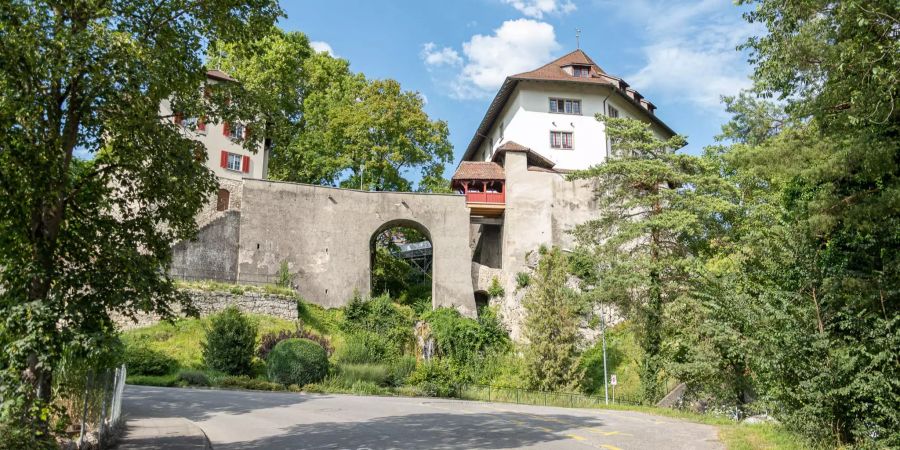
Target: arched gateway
x: 324, y: 235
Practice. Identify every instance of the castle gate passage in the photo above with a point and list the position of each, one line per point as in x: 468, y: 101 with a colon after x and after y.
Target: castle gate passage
x: 324, y: 235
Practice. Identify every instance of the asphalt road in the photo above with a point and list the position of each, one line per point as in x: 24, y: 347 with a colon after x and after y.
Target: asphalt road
x: 267, y: 420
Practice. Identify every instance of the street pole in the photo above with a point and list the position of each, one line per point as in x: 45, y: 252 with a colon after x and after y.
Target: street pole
x: 603, y: 339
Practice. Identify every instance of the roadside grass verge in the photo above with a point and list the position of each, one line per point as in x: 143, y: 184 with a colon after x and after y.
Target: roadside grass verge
x: 762, y: 436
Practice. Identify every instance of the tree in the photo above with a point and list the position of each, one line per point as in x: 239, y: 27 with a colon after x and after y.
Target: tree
x: 829, y: 267
x: 551, y: 327
x: 656, y: 211
x: 81, y: 236
x: 331, y: 126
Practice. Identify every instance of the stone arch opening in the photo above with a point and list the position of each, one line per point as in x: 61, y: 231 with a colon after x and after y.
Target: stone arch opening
x: 482, y: 300
x: 401, y: 256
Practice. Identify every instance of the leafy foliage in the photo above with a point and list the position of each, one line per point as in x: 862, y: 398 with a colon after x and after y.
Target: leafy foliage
x: 495, y: 290
x: 193, y: 378
x: 382, y: 317
x: 332, y: 126
x: 466, y: 340
x: 144, y: 361
x: 363, y: 347
x: 297, y: 361
x: 268, y: 341
x: 523, y: 280
x: 230, y: 343
x: 551, y: 327
x: 284, y: 278
x: 80, y: 238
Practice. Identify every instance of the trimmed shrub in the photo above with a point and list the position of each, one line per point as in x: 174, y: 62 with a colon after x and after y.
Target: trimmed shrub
x: 297, y: 361
x: 270, y: 340
x: 144, y: 361
x: 362, y: 347
x: 230, y: 343
x: 193, y: 378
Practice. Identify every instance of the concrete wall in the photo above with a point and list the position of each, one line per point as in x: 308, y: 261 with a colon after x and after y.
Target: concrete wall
x: 325, y: 236
x: 214, y: 252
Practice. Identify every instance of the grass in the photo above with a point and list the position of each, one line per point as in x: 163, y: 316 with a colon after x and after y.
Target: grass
x: 217, y: 286
x: 182, y: 339
x: 761, y: 436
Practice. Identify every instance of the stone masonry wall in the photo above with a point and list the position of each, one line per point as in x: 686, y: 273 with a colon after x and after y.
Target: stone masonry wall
x: 211, y: 302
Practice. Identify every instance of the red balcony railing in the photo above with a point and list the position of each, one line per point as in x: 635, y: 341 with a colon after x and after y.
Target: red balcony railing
x: 486, y: 197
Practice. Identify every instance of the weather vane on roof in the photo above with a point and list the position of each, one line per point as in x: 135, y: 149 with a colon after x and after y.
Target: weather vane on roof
x: 578, y: 38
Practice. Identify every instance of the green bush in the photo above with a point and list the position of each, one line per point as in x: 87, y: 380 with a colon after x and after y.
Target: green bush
x: 230, y: 343
x: 463, y: 339
x: 435, y: 378
x: 495, y: 290
x: 347, y: 374
x: 382, y: 317
x: 193, y: 378
x: 362, y: 347
x: 17, y: 437
x: 523, y: 280
x: 144, y: 361
x: 297, y: 361
x: 153, y: 380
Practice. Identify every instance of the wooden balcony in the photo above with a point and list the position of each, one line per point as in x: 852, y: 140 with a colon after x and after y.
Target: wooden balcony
x: 483, y: 184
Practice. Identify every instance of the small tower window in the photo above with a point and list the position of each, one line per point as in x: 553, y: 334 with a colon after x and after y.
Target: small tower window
x: 222, y: 200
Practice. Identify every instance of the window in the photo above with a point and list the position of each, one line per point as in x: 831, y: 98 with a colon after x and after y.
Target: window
x: 561, y: 139
x: 565, y: 106
x: 234, y: 162
x: 236, y: 131
x: 581, y: 71
x: 613, y: 112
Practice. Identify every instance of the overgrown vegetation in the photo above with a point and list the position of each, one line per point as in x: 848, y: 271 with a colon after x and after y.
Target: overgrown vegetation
x: 297, y: 361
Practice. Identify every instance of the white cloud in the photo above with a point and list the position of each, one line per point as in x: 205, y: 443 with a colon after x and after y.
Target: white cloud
x: 322, y: 46
x: 516, y: 46
x: 537, y: 8
x: 690, y: 53
x: 435, y: 57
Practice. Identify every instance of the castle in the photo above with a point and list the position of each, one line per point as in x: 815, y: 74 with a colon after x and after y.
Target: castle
x: 512, y: 196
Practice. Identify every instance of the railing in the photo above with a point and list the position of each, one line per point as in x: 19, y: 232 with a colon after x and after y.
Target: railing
x: 486, y: 197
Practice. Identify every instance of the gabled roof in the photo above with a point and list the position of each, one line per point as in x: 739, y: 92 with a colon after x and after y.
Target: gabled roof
x: 479, y: 170
x: 535, y: 159
x: 554, y: 70
x: 219, y: 75
x: 554, y: 73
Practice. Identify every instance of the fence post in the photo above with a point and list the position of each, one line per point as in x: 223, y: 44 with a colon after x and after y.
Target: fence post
x: 517, y: 396
x: 103, y: 407
x: 489, y: 393
x: 87, y: 392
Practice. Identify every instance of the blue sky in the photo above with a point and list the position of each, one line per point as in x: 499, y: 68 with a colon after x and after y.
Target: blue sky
x: 679, y: 54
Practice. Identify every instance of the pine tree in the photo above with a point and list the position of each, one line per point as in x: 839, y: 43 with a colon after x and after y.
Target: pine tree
x: 656, y: 211
x: 551, y: 327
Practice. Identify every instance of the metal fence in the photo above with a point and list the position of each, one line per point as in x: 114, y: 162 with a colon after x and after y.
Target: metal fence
x: 101, y: 406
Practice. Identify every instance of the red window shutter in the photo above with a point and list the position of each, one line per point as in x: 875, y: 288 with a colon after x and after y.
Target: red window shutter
x: 225, y: 128
x: 246, y: 165
x: 201, y: 124
x: 246, y: 131
x: 224, y: 162
x: 178, y: 118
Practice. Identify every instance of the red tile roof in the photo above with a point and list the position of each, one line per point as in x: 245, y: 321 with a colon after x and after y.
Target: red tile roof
x: 534, y: 158
x: 479, y: 170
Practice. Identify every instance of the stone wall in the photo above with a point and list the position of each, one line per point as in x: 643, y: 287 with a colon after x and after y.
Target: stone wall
x: 211, y: 302
x: 213, y: 254
x: 209, y: 212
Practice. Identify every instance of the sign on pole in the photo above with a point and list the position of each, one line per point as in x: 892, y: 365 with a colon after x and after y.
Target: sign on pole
x: 612, y: 380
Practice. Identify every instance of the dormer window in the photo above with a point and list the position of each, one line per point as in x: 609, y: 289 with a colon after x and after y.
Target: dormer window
x: 581, y: 71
